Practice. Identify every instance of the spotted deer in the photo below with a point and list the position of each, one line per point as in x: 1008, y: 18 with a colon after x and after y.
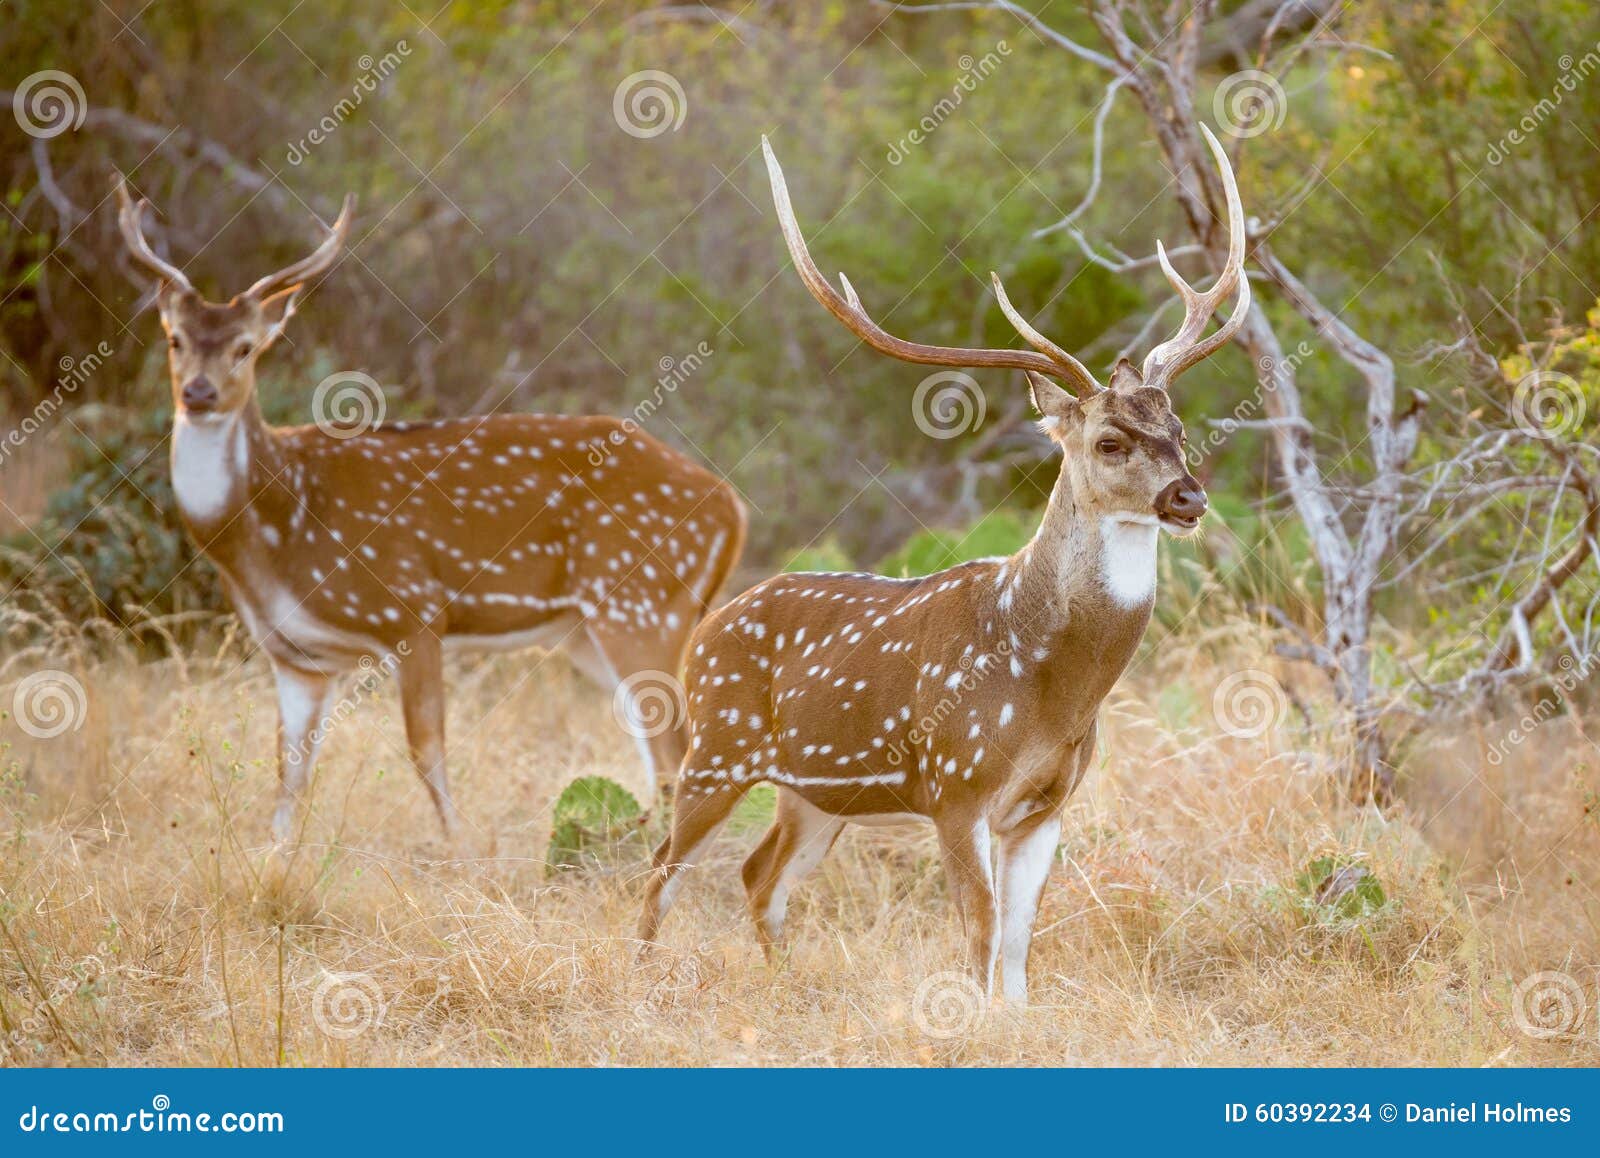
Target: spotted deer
x: 969, y: 697
x: 339, y: 544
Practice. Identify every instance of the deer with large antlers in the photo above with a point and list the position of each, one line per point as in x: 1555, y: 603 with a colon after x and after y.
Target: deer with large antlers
x: 968, y: 698
x: 339, y: 543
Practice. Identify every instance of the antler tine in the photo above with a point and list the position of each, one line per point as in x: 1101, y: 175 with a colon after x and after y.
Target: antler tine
x: 1038, y: 341
x: 319, y: 260
x: 1184, y: 349
x: 848, y: 309
x: 129, y: 217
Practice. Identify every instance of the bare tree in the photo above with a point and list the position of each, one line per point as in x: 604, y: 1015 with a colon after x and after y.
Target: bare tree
x: 1512, y: 454
x: 1155, y: 58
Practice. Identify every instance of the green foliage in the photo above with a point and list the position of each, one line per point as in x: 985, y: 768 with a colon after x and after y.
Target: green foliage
x: 110, y: 544
x: 1338, y: 888
x: 1493, y: 559
x: 755, y: 810
x: 1001, y: 532
x: 593, y: 818
x: 824, y: 555
x: 552, y: 261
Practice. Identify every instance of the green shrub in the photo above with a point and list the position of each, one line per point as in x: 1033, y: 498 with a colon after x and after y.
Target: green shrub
x: 824, y: 555
x: 110, y: 545
x: 592, y: 819
x: 1000, y: 532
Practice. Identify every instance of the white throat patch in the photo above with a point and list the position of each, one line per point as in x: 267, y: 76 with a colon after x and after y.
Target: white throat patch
x: 209, y: 459
x: 1128, y: 557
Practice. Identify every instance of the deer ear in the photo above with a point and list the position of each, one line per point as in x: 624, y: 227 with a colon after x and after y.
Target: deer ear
x: 1126, y: 376
x: 1055, y: 405
x: 277, y: 310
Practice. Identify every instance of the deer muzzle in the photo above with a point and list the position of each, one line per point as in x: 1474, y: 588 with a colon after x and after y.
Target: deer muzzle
x: 1181, y: 504
x: 199, y: 395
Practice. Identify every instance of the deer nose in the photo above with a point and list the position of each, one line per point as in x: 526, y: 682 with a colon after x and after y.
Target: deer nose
x: 1182, y: 499
x: 199, y: 394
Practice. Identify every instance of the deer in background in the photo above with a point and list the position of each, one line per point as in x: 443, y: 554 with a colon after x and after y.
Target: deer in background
x: 336, y: 545
x: 969, y: 697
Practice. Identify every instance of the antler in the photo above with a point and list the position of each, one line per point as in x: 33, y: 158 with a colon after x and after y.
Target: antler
x: 1184, y: 349
x: 129, y: 219
x: 320, y: 259
x: 1051, y: 360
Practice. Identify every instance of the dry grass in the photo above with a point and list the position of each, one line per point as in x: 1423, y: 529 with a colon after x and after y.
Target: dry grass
x: 138, y: 929
x: 27, y: 475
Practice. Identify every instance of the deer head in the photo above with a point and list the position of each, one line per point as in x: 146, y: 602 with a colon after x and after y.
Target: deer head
x: 212, y: 348
x: 1122, y: 443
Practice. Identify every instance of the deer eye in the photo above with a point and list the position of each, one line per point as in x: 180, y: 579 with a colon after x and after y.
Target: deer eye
x: 1109, y: 446
x: 175, y: 342
x: 242, y: 350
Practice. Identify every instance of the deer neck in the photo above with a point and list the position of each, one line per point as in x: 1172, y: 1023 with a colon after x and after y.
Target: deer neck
x: 1085, y: 564
x: 219, y: 465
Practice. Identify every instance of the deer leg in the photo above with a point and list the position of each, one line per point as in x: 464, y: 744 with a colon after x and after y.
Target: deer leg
x: 302, y: 704
x: 1026, y: 854
x: 693, y: 822
x: 799, y: 838
x: 647, y: 696
x: 421, y: 677
x: 966, y: 845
